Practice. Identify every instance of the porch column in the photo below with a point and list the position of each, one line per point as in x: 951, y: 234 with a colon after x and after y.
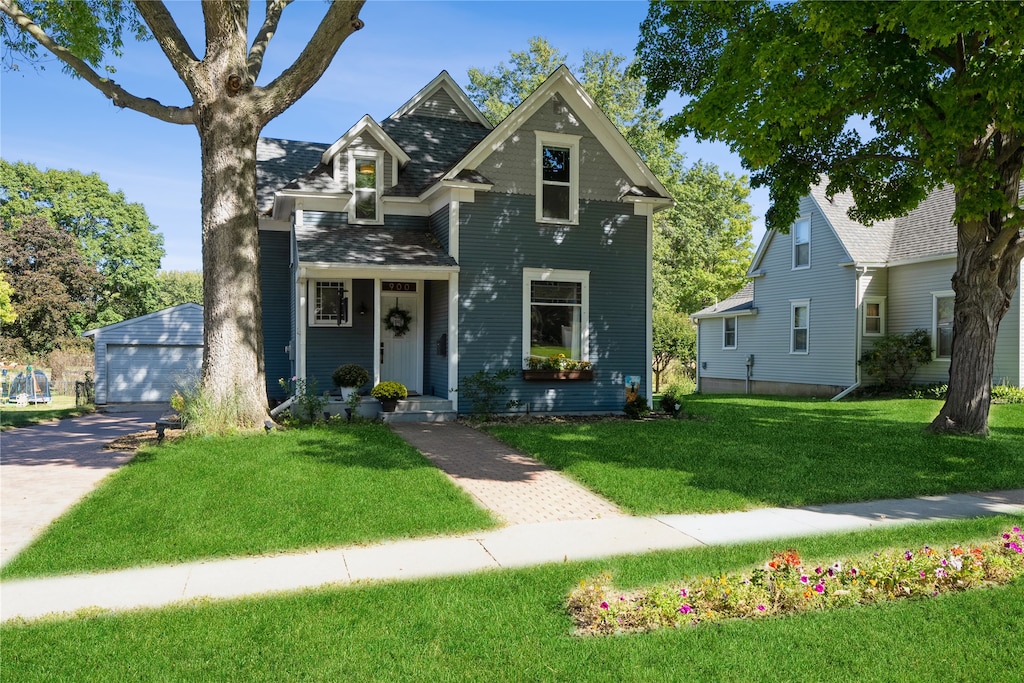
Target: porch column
x: 453, y: 339
x: 376, y: 330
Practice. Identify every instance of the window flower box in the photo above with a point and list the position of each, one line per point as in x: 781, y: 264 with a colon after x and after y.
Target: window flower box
x: 558, y: 375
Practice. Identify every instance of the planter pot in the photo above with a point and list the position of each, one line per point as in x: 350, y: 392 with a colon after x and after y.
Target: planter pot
x: 388, y: 405
x: 346, y: 392
x: 558, y: 375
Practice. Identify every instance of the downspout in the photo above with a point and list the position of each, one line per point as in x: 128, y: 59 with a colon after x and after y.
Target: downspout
x: 858, y: 340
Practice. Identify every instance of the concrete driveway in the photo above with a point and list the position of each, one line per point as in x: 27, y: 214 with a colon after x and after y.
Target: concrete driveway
x: 47, y: 468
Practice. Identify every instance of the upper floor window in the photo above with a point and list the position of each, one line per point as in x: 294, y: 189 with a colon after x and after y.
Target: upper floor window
x: 557, y: 178
x: 365, y: 182
x: 331, y: 303
x: 942, y: 323
x: 729, y: 333
x: 801, y: 324
x: 802, y: 243
x: 874, y: 317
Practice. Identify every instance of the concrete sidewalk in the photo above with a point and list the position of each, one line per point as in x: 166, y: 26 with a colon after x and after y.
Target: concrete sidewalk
x: 513, y: 546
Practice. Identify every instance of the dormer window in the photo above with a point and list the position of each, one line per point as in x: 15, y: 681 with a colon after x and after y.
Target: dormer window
x: 558, y: 180
x: 366, y: 185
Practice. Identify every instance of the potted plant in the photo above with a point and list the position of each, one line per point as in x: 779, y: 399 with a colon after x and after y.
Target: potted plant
x: 350, y: 377
x: 389, y: 393
x: 557, y: 367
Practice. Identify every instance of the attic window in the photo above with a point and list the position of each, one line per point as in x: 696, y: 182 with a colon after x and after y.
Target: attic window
x: 365, y: 183
x: 558, y: 178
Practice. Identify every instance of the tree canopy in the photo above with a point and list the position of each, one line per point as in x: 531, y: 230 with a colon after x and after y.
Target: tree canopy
x: 114, y: 235
x: 178, y: 287
x: 230, y: 104
x: 888, y: 100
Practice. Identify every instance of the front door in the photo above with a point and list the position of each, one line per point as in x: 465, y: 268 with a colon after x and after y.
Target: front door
x: 401, y: 334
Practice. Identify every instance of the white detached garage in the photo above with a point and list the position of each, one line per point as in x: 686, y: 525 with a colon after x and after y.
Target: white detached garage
x: 144, y: 359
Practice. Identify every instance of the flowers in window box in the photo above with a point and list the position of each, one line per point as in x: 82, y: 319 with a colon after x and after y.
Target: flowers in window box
x: 556, y: 362
x: 389, y: 391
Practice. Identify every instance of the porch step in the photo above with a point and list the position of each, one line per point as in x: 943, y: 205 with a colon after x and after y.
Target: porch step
x: 421, y: 409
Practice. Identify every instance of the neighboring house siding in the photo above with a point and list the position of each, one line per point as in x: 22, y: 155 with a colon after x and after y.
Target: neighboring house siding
x: 435, y: 365
x: 512, y: 169
x: 498, y: 238
x: 327, y: 348
x: 720, y: 362
x: 276, y: 286
x: 439, y: 227
x: 831, y: 291
x: 1009, y: 365
x: 874, y: 285
x: 910, y: 305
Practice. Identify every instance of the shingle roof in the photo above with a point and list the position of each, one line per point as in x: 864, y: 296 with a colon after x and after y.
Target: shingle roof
x: 928, y: 230
x: 278, y: 162
x: 864, y: 244
x: 434, y: 145
x: 742, y: 300
x: 369, y: 245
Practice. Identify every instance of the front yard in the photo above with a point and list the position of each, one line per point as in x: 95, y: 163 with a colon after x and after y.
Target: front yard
x: 244, y: 495
x: 744, y: 452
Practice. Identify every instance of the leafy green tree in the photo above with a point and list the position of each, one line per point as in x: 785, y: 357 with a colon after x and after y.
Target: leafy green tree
x: 675, y: 339
x: 178, y: 287
x: 114, y: 235
x: 54, y: 287
x: 889, y: 100
x: 228, y: 110
x: 702, y: 246
x: 7, y: 313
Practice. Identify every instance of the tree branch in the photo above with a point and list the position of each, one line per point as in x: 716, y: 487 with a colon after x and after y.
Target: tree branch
x: 163, y: 27
x: 118, y: 95
x: 263, y: 36
x: 341, y: 21
x: 895, y: 158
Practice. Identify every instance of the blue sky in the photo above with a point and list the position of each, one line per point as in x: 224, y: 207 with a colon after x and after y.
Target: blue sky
x: 49, y: 119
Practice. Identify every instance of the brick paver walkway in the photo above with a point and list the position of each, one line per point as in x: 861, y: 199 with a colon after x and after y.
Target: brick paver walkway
x: 510, y: 484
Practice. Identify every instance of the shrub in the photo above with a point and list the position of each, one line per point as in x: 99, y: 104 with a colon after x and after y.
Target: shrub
x: 389, y: 390
x: 483, y: 388
x: 636, y: 404
x: 894, y: 358
x: 673, y: 400
x: 309, y: 402
x: 1005, y: 393
x: 350, y: 375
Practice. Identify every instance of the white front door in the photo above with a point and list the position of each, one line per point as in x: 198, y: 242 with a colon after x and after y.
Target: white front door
x: 402, y: 349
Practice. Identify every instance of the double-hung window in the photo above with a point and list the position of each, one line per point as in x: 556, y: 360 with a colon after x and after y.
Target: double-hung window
x: 802, y: 243
x: 800, y: 322
x: 558, y: 179
x: 729, y: 333
x: 365, y: 169
x: 874, y: 317
x: 555, y: 313
x: 942, y: 323
x: 330, y: 303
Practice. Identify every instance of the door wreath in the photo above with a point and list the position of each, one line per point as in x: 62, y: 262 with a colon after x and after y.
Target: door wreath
x: 397, y: 321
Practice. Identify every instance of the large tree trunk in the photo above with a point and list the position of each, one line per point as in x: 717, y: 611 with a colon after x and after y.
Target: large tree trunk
x: 984, y: 286
x: 233, y: 372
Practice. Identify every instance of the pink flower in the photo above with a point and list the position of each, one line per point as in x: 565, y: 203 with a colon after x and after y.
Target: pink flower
x: 804, y: 579
x: 820, y: 588
x: 685, y: 609
x: 908, y: 556
x: 761, y: 608
x: 683, y: 593
x: 604, y: 605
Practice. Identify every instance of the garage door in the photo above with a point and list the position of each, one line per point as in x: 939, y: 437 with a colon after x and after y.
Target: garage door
x: 141, y: 373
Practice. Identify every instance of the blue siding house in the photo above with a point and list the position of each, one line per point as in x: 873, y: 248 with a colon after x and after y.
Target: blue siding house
x: 821, y: 295
x: 433, y: 245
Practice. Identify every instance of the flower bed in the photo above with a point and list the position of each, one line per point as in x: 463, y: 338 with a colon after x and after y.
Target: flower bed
x: 786, y: 585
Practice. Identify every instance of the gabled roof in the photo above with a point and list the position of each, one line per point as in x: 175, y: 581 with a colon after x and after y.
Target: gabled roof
x: 162, y: 313
x: 278, y: 162
x: 363, y: 126
x: 740, y: 303
x: 442, y: 82
x: 563, y: 83
x: 928, y: 230
x: 435, y: 145
x: 863, y: 243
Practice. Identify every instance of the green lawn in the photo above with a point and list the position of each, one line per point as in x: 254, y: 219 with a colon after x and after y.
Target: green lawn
x: 511, y: 625
x: 205, y: 497
x: 62, y: 406
x: 745, y: 452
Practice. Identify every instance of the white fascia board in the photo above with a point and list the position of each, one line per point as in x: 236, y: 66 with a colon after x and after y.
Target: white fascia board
x: 131, y: 321
x: 566, y: 85
x: 658, y: 203
x: 320, y: 270
x: 274, y: 225
x: 366, y: 124
x: 831, y: 227
x: 759, y: 254
x: 444, y: 185
x: 746, y: 312
x: 922, y: 259
x: 444, y: 82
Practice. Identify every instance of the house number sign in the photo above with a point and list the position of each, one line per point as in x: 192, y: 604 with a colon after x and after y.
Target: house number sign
x: 389, y: 286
